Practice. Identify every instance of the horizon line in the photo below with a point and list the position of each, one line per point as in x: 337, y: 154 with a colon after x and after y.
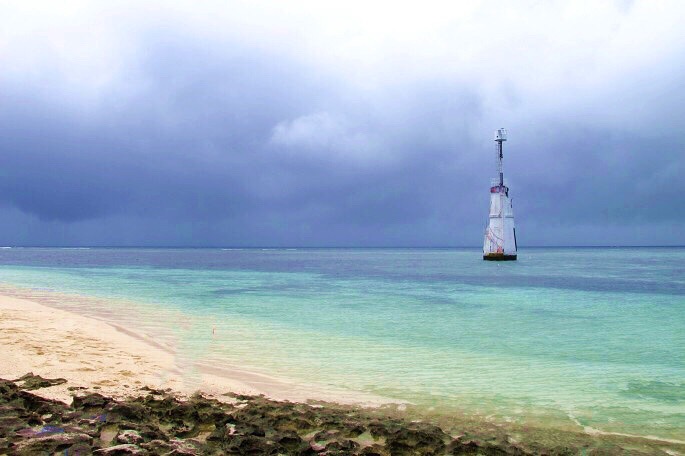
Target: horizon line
x: 282, y: 247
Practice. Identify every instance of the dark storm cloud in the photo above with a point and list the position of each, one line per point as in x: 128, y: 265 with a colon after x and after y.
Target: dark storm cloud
x: 187, y: 145
x: 202, y: 142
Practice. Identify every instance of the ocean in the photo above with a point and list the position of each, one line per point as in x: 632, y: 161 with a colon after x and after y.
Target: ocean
x: 563, y: 337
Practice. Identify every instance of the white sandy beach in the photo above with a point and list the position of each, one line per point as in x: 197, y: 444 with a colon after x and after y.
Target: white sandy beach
x: 103, y: 357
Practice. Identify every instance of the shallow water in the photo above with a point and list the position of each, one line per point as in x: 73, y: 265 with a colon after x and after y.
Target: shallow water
x: 561, y: 337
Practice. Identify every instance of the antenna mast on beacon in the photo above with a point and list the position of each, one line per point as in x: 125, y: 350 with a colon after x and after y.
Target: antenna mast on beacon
x: 500, y: 235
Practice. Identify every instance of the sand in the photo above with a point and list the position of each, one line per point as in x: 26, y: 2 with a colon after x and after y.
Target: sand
x: 100, y: 356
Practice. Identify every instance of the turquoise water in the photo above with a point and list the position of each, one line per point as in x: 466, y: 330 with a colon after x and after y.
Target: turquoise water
x: 589, y: 336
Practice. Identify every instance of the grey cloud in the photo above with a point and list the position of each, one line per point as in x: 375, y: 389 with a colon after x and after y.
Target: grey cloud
x: 200, y: 143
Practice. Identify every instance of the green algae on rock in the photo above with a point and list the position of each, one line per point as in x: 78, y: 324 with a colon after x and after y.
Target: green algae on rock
x: 33, y: 382
x: 157, y: 422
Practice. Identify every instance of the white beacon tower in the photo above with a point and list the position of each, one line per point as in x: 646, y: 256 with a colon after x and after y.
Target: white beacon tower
x: 500, y: 235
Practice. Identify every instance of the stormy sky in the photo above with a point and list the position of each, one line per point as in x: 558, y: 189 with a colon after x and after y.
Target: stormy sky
x: 242, y: 123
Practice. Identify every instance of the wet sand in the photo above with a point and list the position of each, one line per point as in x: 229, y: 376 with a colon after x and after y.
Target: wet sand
x: 92, y: 353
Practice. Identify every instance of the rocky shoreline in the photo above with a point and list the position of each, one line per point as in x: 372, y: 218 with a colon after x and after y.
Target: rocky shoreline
x: 158, y: 422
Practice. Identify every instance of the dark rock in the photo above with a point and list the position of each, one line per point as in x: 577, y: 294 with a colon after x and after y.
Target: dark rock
x: 50, y: 444
x: 11, y: 424
x: 421, y: 439
x: 251, y: 445
x: 89, y: 401
x: 375, y: 450
x: 80, y: 449
x: 250, y: 429
x: 351, y: 429
x: 157, y: 446
x: 160, y: 423
x: 468, y: 446
x: 341, y: 447
x: 129, y: 436
x: 324, y: 436
x: 134, y: 411
x: 34, y: 382
x: 158, y: 392
x: 289, y: 440
x: 40, y: 431
x: 150, y: 431
x: 8, y: 390
x: 240, y: 397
